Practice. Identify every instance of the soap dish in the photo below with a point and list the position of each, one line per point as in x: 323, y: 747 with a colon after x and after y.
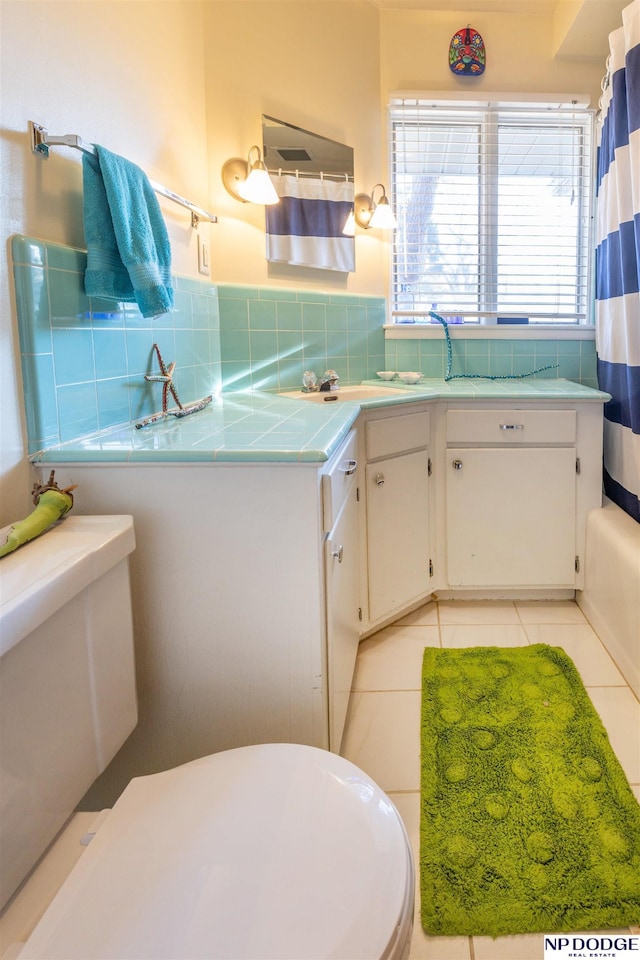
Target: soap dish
x: 386, y: 374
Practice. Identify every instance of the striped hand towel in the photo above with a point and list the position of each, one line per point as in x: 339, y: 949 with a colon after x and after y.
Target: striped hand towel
x: 305, y: 228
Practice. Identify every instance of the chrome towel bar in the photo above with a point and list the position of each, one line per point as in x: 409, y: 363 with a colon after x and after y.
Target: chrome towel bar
x: 41, y: 140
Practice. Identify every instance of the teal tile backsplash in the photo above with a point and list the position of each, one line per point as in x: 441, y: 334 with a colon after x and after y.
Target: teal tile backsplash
x: 84, y: 360
x: 568, y: 359
x: 269, y: 337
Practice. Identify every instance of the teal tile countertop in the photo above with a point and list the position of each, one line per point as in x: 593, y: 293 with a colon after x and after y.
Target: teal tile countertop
x: 507, y: 389
x: 264, y: 427
x: 238, y: 426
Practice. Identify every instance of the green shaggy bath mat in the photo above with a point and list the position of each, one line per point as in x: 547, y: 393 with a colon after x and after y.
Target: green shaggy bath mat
x: 528, y: 823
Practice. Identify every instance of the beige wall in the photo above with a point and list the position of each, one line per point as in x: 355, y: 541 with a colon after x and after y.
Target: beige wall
x: 414, y: 49
x: 312, y: 64
x: 179, y: 87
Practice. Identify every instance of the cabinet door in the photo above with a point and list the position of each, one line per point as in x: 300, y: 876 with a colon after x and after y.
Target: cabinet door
x: 397, y: 531
x: 341, y: 574
x: 511, y: 516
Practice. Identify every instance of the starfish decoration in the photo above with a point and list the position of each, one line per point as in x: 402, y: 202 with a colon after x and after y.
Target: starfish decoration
x: 165, y: 377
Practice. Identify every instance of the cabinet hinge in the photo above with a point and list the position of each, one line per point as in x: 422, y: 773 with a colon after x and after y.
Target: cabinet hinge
x: 359, y: 613
x: 430, y: 568
x: 577, y: 465
x: 577, y: 564
x: 429, y: 467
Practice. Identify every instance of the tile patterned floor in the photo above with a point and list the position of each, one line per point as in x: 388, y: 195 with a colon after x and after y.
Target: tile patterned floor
x: 382, y: 729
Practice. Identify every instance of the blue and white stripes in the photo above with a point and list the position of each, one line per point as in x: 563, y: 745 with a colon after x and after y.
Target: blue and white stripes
x: 305, y: 228
x: 618, y: 264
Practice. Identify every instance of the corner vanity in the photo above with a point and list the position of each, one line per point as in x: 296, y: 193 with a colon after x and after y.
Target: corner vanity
x: 273, y: 533
x: 484, y: 490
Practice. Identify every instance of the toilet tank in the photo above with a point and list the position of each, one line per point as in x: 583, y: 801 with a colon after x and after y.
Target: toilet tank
x: 67, y: 678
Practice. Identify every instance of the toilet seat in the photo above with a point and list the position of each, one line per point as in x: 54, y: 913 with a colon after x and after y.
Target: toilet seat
x: 215, y: 859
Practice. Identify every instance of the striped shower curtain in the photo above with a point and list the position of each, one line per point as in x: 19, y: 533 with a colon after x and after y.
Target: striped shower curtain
x: 305, y: 228
x: 618, y: 263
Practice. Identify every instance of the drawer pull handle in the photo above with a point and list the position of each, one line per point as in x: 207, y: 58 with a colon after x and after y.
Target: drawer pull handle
x: 512, y: 426
x: 457, y: 464
x: 338, y: 553
x: 380, y: 479
x: 350, y: 467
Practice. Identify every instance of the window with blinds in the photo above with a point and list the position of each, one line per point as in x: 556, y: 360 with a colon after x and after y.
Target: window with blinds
x: 494, y: 208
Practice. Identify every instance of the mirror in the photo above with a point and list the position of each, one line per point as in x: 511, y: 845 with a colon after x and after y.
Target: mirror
x: 313, y: 176
x: 293, y: 148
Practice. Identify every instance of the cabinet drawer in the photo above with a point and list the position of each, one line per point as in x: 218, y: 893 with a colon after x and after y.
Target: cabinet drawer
x: 511, y: 426
x: 393, y: 435
x: 337, y: 481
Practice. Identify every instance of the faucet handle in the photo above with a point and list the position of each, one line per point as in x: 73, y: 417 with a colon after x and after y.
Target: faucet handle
x: 309, y: 381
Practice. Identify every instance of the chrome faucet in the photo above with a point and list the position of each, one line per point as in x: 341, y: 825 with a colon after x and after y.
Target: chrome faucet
x: 329, y: 381
x: 311, y: 383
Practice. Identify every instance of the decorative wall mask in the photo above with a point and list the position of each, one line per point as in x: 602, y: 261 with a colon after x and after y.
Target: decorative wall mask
x: 467, y: 55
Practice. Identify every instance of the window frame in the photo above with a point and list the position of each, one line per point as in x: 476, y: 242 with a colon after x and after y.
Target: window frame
x: 490, y: 113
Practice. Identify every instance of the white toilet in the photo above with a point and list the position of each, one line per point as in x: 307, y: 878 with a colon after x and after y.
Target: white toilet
x: 265, y: 852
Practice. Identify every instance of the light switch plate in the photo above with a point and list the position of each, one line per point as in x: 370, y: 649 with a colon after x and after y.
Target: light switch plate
x: 203, y: 256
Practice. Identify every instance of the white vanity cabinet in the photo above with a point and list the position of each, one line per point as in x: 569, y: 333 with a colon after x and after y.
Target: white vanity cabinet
x: 519, y: 481
x: 341, y: 566
x: 396, y: 509
x: 242, y: 636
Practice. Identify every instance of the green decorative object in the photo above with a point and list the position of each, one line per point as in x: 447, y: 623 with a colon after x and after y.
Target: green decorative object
x: 528, y: 823
x: 52, y: 504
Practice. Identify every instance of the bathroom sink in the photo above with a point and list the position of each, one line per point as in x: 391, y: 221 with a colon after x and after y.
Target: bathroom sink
x: 355, y: 392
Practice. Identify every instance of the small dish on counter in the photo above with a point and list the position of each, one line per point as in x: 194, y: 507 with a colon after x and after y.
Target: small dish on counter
x: 386, y: 374
x: 410, y: 376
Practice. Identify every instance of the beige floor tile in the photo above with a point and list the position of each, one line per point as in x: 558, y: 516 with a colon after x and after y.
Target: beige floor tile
x: 583, y: 646
x: 483, y: 635
x: 408, y: 806
x: 422, y: 617
x: 392, y: 659
x: 382, y: 737
x: 620, y: 714
x: 527, y: 946
x: 472, y: 611
x: 424, y: 947
x: 549, y: 611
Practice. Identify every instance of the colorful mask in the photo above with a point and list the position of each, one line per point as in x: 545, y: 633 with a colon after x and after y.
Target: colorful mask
x: 467, y: 55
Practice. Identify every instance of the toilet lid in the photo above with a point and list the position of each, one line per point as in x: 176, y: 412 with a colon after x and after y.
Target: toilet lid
x: 272, y: 851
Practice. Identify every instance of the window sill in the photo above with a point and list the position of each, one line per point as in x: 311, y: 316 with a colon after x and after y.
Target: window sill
x: 539, y: 331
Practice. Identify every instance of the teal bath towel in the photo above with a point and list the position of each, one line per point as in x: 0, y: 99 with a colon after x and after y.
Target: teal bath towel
x: 128, y: 249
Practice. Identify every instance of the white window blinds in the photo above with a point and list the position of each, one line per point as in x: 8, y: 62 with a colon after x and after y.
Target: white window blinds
x: 494, y: 211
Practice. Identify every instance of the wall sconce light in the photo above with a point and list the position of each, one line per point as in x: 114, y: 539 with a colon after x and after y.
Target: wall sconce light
x: 248, y: 180
x: 369, y: 213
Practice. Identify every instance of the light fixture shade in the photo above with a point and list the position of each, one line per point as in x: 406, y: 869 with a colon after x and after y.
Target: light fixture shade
x: 249, y: 180
x: 369, y: 214
x: 349, y: 228
x: 382, y: 216
x: 258, y: 188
